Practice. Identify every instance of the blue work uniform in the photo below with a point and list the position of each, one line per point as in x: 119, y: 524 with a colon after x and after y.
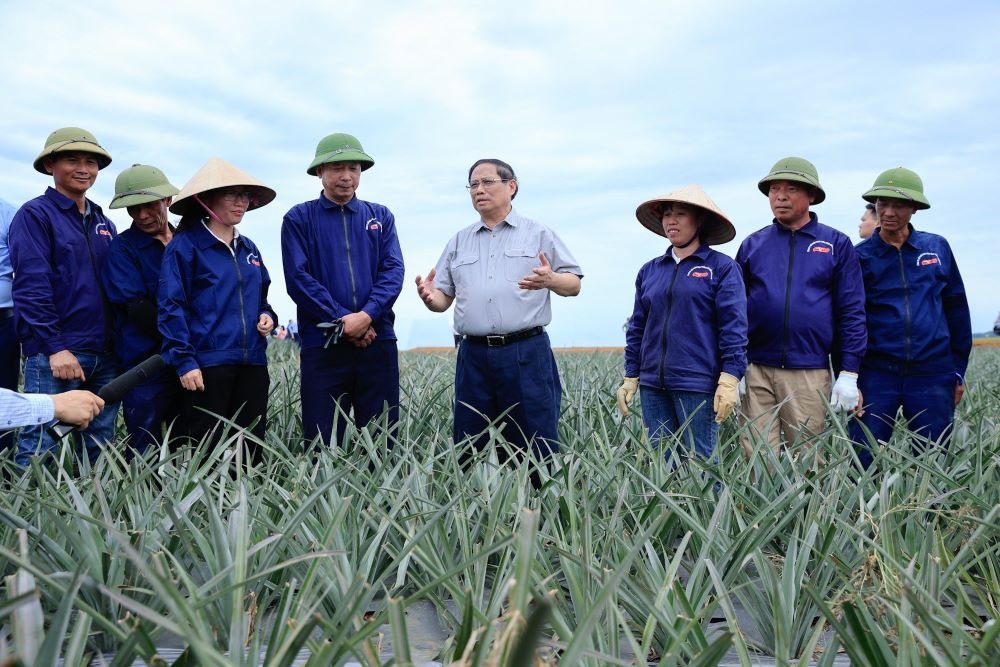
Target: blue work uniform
x: 505, y: 365
x: 211, y: 295
x: 688, y: 326
x: 920, y: 337
x: 131, y: 278
x: 57, y: 253
x: 343, y: 259
x: 805, y: 297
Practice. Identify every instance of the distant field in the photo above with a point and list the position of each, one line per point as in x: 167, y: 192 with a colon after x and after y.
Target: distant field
x: 991, y: 341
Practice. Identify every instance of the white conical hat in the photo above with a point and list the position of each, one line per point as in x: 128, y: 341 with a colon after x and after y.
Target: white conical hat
x: 217, y: 173
x: 715, y: 230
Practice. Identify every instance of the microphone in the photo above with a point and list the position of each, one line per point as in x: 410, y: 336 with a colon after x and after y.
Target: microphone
x: 114, y: 391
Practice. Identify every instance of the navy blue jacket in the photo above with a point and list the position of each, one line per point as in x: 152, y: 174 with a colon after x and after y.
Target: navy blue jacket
x: 689, y: 322
x: 57, y: 255
x: 210, y: 297
x: 918, y: 314
x: 131, y: 277
x: 805, y: 297
x: 340, y: 260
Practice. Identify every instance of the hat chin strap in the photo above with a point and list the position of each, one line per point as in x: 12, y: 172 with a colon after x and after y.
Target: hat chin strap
x: 210, y: 212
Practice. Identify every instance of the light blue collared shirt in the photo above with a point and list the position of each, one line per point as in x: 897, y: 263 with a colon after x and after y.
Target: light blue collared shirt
x: 481, y: 267
x: 7, y: 212
x: 24, y: 409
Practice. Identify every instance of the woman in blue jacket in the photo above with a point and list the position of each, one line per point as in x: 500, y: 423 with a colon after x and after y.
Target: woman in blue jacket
x: 686, y: 340
x: 213, y: 310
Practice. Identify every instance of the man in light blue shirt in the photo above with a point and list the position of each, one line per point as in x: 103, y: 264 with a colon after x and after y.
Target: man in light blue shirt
x: 10, y: 350
x: 77, y: 407
x: 500, y: 273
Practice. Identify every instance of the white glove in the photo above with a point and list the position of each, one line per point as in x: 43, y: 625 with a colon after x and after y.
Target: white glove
x: 845, y: 392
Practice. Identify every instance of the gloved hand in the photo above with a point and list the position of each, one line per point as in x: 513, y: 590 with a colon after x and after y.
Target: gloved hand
x: 726, y: 397
x: 845, y: 392
x: 626, y: 393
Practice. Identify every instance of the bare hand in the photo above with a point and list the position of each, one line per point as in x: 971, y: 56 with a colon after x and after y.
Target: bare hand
x: 193, y: 381
x: 77, y: 407
x: 541, y: 276
x: 365, y: 340
x: 425, y: 287
x: 859, y: 411
x: 65, y: 366
x: 959, y: 392
x: 356, y: 324
x: 265, y: 325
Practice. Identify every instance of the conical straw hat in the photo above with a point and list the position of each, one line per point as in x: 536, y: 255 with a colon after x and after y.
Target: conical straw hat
x: 217, y: 173
x: 715, y: 229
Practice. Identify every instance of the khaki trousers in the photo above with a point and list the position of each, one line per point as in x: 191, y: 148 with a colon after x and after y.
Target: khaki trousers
x: 783, y: 405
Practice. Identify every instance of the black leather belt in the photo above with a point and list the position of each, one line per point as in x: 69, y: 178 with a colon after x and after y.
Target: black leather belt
x: 505, y: 339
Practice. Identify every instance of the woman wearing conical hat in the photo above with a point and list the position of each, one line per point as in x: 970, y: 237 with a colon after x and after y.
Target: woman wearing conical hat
x: 214, y: 313
x: 686, y: 342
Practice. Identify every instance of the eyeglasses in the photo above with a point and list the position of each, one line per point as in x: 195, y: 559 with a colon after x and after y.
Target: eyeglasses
x: 230, y: 196
x: 486, y: 183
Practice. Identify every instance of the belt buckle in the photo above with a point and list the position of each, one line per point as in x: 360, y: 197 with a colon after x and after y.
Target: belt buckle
x: 496, y: 341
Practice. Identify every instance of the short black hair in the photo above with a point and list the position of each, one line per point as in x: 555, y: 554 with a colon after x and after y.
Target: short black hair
x: 870, y: 206
x: 504, y: 171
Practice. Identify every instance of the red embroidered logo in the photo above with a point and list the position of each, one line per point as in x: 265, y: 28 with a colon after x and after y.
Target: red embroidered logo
x: 928, y: 259
x: 824, y: 247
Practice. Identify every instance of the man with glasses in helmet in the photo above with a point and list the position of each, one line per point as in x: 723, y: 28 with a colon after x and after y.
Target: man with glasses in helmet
x: 918, y: 320
x: 344, y: 270
x: 500, y: 273
x: 131, y: 277
x: 805, y: 304
x: 58, y: 243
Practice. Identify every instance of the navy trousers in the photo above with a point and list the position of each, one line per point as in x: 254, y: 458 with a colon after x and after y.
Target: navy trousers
x: 10, y: 363
x: 362, y: 380
x: 520, y: 379
x: 150, y: 407
x: 928, y: 403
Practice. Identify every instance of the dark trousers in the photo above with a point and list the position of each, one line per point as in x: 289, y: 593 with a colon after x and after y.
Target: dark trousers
x: 519, y: 381
x: 150, y: 407
x: 365, y: 380
x: 10, y: 363
x: 237, y: 392
x: 928, y: 403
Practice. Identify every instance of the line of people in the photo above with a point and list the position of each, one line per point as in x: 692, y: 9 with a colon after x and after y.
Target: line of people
x: 889, y: 318
x: 811, y: 320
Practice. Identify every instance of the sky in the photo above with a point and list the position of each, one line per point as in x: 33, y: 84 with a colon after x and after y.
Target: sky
x: 598, y: 105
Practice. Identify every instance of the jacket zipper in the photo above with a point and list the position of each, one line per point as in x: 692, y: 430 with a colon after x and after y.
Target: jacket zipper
x: 906, y: 302
x: 666, y: 324
x: 350, y: 265
x: 243, y: 313
x: 97, y: 276
x: 788, y: 299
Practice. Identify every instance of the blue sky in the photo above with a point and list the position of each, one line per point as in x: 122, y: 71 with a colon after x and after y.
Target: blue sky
x: 598, y: 106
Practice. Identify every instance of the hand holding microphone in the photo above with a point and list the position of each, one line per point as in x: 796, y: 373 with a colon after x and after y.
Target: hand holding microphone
x: 77, y: 403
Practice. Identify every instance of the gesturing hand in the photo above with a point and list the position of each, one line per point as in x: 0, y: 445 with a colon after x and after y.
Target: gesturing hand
x: 541, y: 276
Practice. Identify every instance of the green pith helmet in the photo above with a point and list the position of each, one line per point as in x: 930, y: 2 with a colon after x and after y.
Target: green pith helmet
x: 141, y: 184
x: 793, y: 169
x: 898, y: 183
x: 339, y: 147
x: 72, y: 139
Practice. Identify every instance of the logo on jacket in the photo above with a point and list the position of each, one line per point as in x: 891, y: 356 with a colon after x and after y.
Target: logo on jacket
x: 928, y: 259
x: 102, y: 229
x: 374, y: 225
x: 254, y: 260
x: 700, y: 272
x: 824, y: 247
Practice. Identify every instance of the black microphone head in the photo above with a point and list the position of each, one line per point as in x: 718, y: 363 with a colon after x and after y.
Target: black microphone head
x: 114, y: 391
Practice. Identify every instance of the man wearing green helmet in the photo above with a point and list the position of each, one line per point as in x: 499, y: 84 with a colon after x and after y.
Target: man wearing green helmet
x: 805, y: 307
x: 344, y: 270
x: 918, y: 320
x: 58, y: 242
x: 130, y: 277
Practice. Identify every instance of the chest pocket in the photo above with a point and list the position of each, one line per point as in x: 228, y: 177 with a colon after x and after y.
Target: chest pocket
x: 464, y: 270
x: 518, y: 263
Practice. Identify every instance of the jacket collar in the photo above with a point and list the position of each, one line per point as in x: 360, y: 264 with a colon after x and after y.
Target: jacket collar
x: 206, y: 239
x: 65, y: 203
x: 809, y: 229
x: 351, y: 206
x: 701, y: 253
